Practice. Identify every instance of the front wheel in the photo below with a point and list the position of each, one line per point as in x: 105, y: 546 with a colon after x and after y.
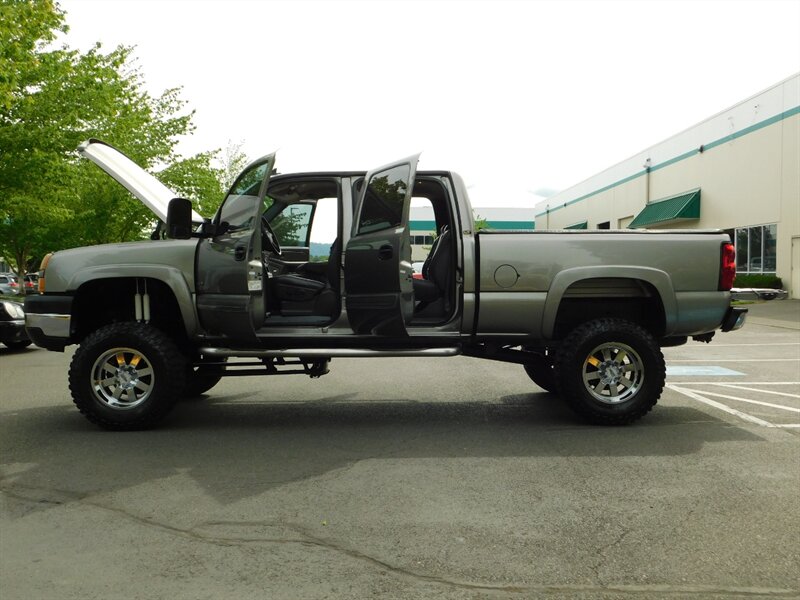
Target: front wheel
x: 610, y: 371
x: 127, y: 376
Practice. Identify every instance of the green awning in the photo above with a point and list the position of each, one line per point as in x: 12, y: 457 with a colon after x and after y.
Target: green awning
x: 581, y: 225
x: 681, y: 207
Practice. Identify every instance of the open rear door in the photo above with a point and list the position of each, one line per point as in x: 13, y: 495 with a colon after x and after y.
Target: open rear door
x: 378, y: 273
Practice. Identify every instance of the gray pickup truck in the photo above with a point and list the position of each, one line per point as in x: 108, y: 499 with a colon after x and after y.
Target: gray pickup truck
x: 585, y: 313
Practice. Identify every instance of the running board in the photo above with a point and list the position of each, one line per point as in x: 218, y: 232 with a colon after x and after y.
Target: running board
x: 332, y: 353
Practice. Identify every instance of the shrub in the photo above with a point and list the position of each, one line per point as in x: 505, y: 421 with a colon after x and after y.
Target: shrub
x: 757, y: 280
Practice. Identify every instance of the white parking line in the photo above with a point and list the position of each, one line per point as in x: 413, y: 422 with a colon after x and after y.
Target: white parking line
x: 749, y: 401
x: 720, y: 406
x: 736, y: 360
x: 746, y: 383
x: 739, y: 345
x: 741, y: 387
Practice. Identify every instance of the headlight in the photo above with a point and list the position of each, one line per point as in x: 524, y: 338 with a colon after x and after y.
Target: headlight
x: 14, y: 310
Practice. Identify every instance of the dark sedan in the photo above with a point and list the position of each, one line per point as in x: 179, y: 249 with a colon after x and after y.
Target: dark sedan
x: 12, y: 325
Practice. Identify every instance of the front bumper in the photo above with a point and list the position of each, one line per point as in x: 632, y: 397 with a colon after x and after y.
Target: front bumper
x: 13, y: 331
x: 734, y: 318
x: 48, y: 320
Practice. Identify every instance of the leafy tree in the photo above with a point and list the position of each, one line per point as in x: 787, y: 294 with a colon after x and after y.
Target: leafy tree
x: 480, y: 223
x: 51, y: 99
x: 232, y: 162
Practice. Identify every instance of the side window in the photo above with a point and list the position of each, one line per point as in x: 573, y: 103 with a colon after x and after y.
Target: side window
x: 422, y: 224
x: 324, y: 229
x: 383, y: 202
x: 291, y: 225
x: 238, y: 209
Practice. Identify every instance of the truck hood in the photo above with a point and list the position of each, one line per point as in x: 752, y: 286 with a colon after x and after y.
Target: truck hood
x: 153, y: 194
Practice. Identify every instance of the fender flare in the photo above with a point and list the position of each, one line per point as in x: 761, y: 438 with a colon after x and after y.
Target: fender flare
x: 170, y: 276
x: 660, y: 281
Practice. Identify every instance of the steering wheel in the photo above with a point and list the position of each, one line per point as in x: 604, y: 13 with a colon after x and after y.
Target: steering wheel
x: 269, y: 235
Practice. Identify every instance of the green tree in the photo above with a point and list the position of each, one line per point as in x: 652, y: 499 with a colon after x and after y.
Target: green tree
x: 51, y: 99
x: 480, y: 223
x: 232, y: 162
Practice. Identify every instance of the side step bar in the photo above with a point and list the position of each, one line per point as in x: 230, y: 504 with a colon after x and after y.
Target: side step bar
x: 323, y: 353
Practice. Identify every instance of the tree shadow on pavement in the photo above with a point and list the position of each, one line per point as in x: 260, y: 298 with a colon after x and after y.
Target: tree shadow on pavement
x: 264, y: 444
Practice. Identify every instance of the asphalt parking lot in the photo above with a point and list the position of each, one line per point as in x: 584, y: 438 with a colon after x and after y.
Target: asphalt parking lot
x: 411, y: 478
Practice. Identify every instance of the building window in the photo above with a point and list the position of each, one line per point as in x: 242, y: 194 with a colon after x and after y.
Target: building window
x: 755, y: 249
x: 422, y: 240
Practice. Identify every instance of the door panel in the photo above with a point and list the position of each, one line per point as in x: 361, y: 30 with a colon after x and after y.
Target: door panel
x: 229, y: 271
x: 378, y: 273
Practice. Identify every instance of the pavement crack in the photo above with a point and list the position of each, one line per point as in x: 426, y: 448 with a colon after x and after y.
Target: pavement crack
x: 301, y: 536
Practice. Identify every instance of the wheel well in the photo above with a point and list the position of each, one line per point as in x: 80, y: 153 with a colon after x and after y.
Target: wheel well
x: 104, y: 301
x: 631, y: 299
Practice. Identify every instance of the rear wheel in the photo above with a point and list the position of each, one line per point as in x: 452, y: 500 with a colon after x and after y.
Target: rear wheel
x: 127, y: 376
x: 610, y: 371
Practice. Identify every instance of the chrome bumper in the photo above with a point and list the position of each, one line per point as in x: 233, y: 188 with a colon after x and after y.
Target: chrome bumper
x: 51, y: 325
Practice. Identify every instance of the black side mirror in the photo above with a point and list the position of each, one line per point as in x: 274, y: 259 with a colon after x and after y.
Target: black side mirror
x: 179, y: 219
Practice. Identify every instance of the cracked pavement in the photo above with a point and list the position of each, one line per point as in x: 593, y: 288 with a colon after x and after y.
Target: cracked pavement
x: 450, y: 478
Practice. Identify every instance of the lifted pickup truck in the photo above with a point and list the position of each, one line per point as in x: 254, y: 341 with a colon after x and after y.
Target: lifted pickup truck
x: 585, y: 313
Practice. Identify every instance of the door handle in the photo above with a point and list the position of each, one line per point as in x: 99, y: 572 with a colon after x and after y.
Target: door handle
x: 239, y: 253
x: 385, y: 252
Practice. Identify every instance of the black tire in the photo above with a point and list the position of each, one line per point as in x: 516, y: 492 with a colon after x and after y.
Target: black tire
x: 145, y: 375
x: 202, y: 378
x: 625, y: 362
x: 18, y: 345
x: 540, y: 370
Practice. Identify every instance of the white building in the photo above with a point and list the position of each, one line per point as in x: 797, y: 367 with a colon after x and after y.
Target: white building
x: 738, y: 171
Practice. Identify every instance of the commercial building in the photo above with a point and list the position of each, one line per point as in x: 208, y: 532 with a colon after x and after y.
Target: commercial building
x: 738, y: 171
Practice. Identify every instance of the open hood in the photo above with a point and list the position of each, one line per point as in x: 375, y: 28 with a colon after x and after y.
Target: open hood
x: 153, y: 194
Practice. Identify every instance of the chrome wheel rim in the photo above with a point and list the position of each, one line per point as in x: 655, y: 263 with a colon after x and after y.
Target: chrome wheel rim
x: 613, y: 373
x: 122, y: 378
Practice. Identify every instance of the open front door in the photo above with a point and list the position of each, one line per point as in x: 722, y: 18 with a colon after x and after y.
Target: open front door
x: 230, y: 300
x: 378, y: 273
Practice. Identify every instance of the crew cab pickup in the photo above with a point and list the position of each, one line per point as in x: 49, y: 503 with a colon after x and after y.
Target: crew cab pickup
x: 584, y: 312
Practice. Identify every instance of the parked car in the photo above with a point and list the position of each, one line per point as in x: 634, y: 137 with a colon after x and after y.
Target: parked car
x: 12, y: 325
x: 8, y: 285
x: 758, y: 294
x: 417, y: 266
x: 31, y: 282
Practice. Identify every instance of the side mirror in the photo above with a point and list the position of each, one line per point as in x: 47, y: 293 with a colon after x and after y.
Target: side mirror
x: 179, y: 219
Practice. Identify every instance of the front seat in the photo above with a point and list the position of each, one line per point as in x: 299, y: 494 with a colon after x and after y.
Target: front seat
x: 436, y: 273
x: 301, y: 293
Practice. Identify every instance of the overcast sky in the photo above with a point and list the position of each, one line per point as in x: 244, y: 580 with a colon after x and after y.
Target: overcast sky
x: 515, y: 96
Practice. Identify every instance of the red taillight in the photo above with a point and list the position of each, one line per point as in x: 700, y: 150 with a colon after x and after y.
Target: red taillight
x: 727, y: 271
